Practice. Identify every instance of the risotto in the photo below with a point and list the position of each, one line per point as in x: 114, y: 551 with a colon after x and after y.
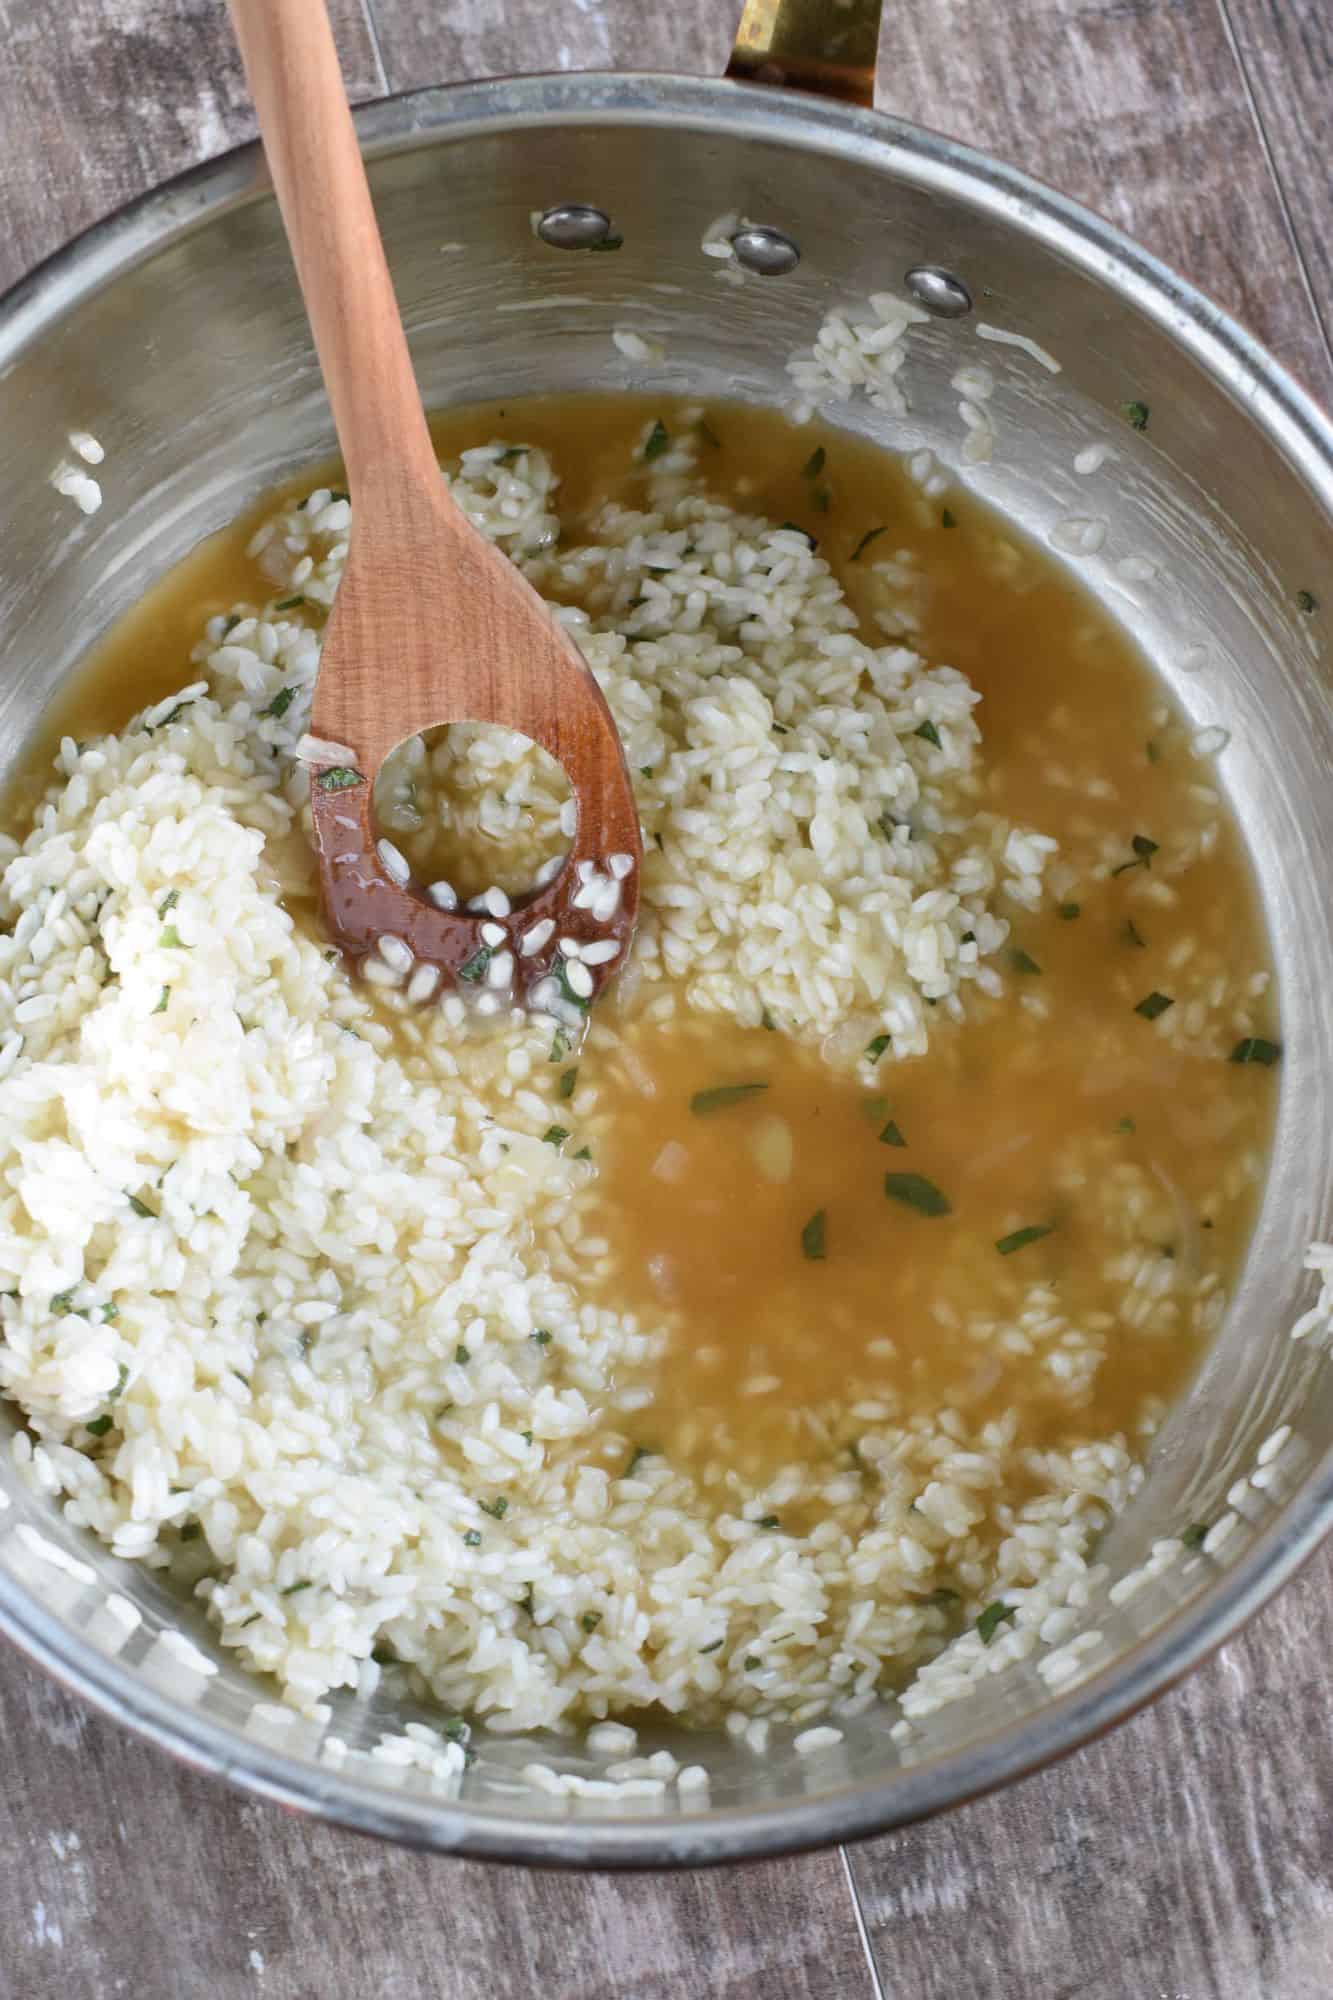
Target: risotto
x: 780, y: 1340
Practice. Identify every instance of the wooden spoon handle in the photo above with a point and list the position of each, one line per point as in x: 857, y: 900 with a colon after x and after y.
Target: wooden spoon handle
x: 310, y: 143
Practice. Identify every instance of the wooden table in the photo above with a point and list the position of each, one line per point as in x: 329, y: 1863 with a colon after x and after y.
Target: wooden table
x: 1187, y: 1857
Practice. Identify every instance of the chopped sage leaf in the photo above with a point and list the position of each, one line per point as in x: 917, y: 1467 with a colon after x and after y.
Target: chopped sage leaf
x: 383, y: 1655
x: 928, y: 733
x: 171, y: 939
x: 497, y: 1508
x: 555, y: 1135
x: 1020, y: 1238
x: 722, y: 1096
x: 280, y: 703
x: 1133, y: 935
x: 1126, y: 1125
x: 583, y: 1153
x: 992, y: 1618
x: 162, y: 1000
x: 141, y: 1208
x: 876, y: 1047
x: 1254, y: 1049
x: 767, y: 1521
x: 814, y: 465
x: 1023, y: 961
x: 1135, y: 415
x: 915, y: 1191
x: 658, y: 440
x: 1144, y: 850
x: 713, y: 1648
x: 541, y: 1336
x: 561, y: 1044
x: 1307, y: 601
x: 568, y: 1084
x: 814, y: 1238
x: 192, y: 1532
x: 1069, y: 911
x: 306, y: 1583
x: 1154, y: 1005
x: 472, y: 1539
x: 870, y: 535
x: 169, y: 902
x: 62, y: 1303
x: 289, y: 603
x: 339, y: 778
x: 229, y: 624
x: 948, y: 519
x: 1195, y: 1535
x: 590, y: 1621
x: 474, y: 968
x: 891, y: 1136
x: 98, y: 1427
x: 766, y: 1021
x: 462, y: 1355
x: 567, y: 992
x: 752, y: 1663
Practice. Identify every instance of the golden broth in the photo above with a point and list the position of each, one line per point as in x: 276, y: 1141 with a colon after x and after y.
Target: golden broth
x: 796, y: 1284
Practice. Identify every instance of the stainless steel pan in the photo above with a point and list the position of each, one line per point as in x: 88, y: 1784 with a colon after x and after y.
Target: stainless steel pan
x: 174, y: 333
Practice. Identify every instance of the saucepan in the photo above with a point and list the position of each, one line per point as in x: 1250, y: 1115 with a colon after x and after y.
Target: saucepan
x: 743, y: 211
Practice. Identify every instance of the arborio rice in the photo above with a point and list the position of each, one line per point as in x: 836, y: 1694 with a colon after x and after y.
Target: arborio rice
x: 293, y: 1296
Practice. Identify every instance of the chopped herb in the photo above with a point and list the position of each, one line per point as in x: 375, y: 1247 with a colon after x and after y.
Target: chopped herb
x: 1020, y: 1238
x: 583, y: 1153
x: 814, y: 465
x: 568, y: 1084
x: 541, y: 1336
x: 870, y: 535
x: 560, y: 1045
x: 289, y: 603
x: 590, y: 1621
x: 62, y: 1303
x: 767, y: 1521
x: 752, y: 1663
x: 474, y: 968
x: 820, y: 498
x: 497, y: 1509
x: 280, y: 703
x: 948, y: 519
x: 111, y: 1312
x: 462, y: 1355
x: 891, y: 1136
x: 944, y: 1599
x: 1195, y: 1535
x: 1153, y: 752
x: 915, y: 1191
x: 567, y: 992
x: 1254, y: 1049
x: 1144, y: 850
x: 384, y: 1656
x: 1127, y: 1126
x: 766, y: 1021
x: 1307, y: 601
x: 162, y: 1000
x: 171, y: 939
x: 605, y: 243
x: 708, y: 434
x: 992, y: 1618
x: 781, y: 729
x: 722, y: 1096
x: 169, y: 902
x: 1070, y: 911
x: 229, y: 624
x: 928, y: 733
x: 338, y: 494
x: 472, y: 1539
x: 636, y: 1458
x: 1135, y: 415
x: 1154, y: 1005
x: 555, y: 1135
x: 713, y: 1648
x: 292, y: 1588
x: 339, y: 778
x: 658, y: 440
x: 174, y: 714
x: 526, y: 1436
x: 804, y: 532
x: 645, y: 770
x: 141, y: 1208
x: 1133, y: 935
x: 968, y: 937
x: 1023, y: 961
x: 814, y: 1237
x: 98, y: 1427
x: 876, y: 1047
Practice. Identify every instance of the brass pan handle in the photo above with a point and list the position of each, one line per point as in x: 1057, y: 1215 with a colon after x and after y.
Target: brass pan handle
x: 828, y: 46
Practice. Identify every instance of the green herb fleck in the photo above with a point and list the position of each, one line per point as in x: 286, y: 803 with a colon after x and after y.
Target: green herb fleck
x: 229, y: 624
x: 605, y: 243
x: 1154, y: 1005
x: 766, y: 1021
x: 948, y: 519
x: 474, y: 968
x: 568, y: 1084
x: 876, y: 1047
x: 541, y: 1336
x: 1195, y: 1535
x: 162, y: 1000
x: 1144, y: 850
x: 814, y: 465
x: 462, y: 1355
x: 280, y: 703
x: 636, y: 1458
x: 339, y: 778
x: 306, y: 1583
x: 383, y: 1655
x: 1133, y: 935
x: 1020, y: 1238
x: 1069, y: 912
x: 658, y: 440
x: 1126, y: 1126
x: 62, y: 1303
x: 583, y: 1153
x: 722, y: 1096
x: 814, y: 1237
x: 566, y: 990
x: 590, y: 1621
x: 1135, y: 415
x: 555, y: 1135
x: 713, y: 1648
x: 560, y: 1045
x: 171, y: 939
x: 928, y: 733
x: 944, y: 1599
x: 338, y: 494
x: 870, y: 535
x: 1307, y: 601
x: 915, y: 1191
x: 1153, y: 752
x: 992, y: 1618
x: 98, y: 1427
x: 1023, y: 961
x: 472, y: 1539
x: 497, y: 1509
x: 891, y: 1136
x: 111, y: 1312
x: 1254, y: 1049
x: 141, y: 1208
x: 169, y: 902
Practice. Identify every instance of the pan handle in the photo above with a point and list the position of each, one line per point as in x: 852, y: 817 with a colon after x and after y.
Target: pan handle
x: 828, y: 46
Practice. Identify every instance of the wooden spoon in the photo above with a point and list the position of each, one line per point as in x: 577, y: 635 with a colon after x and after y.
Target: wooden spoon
x: 431, y: 623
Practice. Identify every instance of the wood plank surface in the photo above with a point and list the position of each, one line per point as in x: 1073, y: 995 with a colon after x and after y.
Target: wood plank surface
x: 1187, y: 1857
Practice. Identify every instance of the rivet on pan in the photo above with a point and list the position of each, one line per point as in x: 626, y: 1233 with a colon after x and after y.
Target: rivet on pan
x: 574, y: 226
x: 766, y: 251
x: 939, y: 291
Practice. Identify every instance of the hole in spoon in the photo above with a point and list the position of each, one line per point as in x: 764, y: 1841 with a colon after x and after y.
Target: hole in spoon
x: 475, y: 806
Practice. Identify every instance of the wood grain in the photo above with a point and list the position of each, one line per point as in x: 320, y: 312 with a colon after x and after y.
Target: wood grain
x: 1186, y: 1856
x: 101, y: 99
